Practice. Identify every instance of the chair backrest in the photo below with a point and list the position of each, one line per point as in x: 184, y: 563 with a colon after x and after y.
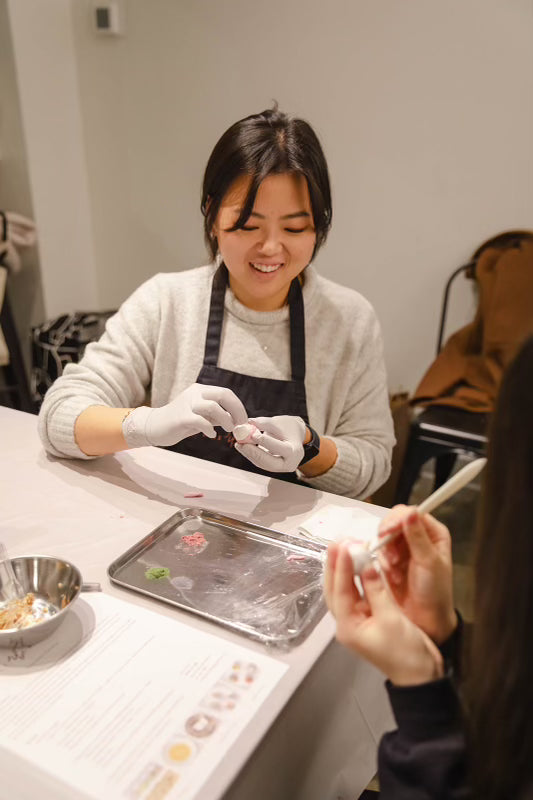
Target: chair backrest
x: 502, y: 241
x: 61, y: 341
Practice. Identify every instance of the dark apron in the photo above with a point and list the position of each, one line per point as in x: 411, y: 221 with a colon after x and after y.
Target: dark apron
x: 261, y: 397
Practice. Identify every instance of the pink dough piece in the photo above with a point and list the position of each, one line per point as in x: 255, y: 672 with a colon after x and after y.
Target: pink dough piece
x: 194, y: 494
x: 247, y: 433
x: 194, y: 539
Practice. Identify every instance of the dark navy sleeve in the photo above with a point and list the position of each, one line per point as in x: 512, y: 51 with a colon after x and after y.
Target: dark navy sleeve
x: 425, y: 758
x: 453, y: 648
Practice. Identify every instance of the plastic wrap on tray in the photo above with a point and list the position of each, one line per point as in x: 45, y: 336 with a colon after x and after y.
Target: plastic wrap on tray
x: 253, y: 579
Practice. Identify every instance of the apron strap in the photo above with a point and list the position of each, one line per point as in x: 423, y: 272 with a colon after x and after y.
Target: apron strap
x: 297, y: 321
x: 216, y: 317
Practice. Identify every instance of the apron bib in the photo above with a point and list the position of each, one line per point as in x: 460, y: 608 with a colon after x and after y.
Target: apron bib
x: 262, y: 397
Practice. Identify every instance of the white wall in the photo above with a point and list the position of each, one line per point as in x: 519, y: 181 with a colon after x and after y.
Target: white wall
x: 25, y: 287
x: 424, y: 110
x: 43, y: 47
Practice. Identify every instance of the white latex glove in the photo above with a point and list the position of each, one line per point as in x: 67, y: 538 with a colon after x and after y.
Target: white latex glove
x: 198, y: 409
x: 279, y: 448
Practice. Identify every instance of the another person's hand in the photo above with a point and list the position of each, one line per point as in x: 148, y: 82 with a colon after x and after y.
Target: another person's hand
x: 418, y: 565
x: 279, y: 448
x: 374, y: 626
x: 198, y: 409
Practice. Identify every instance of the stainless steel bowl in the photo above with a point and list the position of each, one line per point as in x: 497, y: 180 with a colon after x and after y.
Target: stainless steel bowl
x: 55, y: 583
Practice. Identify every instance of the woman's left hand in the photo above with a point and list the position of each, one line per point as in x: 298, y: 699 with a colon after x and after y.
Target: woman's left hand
x: 374, y: 626
x: 279, y: 447
x: 418, y: 566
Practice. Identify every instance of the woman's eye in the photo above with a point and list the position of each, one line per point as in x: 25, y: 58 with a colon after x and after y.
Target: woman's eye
x: 249, y: 228
x: 295, y: 230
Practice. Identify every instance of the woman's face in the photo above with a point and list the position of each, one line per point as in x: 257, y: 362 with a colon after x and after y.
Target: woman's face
x: 274, y: 246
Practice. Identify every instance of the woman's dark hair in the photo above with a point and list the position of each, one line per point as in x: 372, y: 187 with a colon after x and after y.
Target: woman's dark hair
x: 269, y: 143
x: 500, y: 679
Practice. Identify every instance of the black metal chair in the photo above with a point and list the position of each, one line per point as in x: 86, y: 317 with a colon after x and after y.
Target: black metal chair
x: 443, y: 432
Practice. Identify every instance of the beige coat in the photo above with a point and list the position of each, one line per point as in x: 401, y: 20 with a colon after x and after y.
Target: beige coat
x: 468, y: 370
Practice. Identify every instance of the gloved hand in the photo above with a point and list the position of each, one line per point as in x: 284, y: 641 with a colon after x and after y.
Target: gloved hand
x: 280, y: 447
x: 198, y: 409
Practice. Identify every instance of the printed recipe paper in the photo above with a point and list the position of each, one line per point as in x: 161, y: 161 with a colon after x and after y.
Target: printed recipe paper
x: 124, y: 703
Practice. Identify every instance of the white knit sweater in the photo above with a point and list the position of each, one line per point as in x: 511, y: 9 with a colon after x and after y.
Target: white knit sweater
x: 156, y: 341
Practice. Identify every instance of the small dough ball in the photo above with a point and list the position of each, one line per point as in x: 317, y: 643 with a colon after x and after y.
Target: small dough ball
x: 361, y: 558
x: 245, y: 433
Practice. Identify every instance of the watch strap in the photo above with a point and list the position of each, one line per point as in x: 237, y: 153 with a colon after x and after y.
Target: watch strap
x: 312, y: 448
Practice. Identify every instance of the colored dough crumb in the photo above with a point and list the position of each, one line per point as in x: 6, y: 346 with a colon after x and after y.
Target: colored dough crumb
x: 194, y: 539
x: 156, y: 573
x: 194, y: 494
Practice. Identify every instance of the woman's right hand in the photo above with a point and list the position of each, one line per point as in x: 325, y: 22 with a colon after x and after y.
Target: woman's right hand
x: 374, y: 626
x: 418, y: 566
x: 198, y: 409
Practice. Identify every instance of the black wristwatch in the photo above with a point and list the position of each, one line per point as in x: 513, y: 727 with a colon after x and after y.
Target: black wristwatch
x: 312, y: 448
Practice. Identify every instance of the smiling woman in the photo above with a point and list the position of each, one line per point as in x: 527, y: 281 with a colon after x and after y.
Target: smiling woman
x: 256, y: 336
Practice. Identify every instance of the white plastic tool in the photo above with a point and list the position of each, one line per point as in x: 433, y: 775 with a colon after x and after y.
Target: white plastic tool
x: 361, y: 557
x: 11, y: 587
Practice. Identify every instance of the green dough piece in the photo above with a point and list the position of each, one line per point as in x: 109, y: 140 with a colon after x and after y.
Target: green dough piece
x: 156, y: 573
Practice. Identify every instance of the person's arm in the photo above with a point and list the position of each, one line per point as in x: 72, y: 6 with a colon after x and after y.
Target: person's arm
x: 98, y: 430
x: 85, y: 413
x: 356, y: 457
x: 278, y: 446
x: 358, y: 445
x: 373, y: 625
x: 325, y: 459
x: 418, y: 566
x: 198, y: 409
x: 113, y: 375
x: 453, y: 650
x: 426, y: 756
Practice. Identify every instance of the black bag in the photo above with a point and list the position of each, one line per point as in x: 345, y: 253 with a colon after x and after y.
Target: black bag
x: 59, y: 342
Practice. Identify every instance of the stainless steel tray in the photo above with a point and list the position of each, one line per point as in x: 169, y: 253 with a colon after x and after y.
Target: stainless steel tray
x: 256, y: 580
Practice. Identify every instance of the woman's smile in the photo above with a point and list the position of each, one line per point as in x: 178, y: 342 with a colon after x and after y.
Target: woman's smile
x: 262, y: 267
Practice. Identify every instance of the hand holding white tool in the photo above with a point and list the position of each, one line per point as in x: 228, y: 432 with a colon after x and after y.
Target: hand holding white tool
x: 362, y: 557
x: 198, y: 409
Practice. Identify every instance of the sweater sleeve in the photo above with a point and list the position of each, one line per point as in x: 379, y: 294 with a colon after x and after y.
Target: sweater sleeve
x: 364, y: 432
x: 115, y: 372
x: 425, y: 758
x: 453, y: 648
